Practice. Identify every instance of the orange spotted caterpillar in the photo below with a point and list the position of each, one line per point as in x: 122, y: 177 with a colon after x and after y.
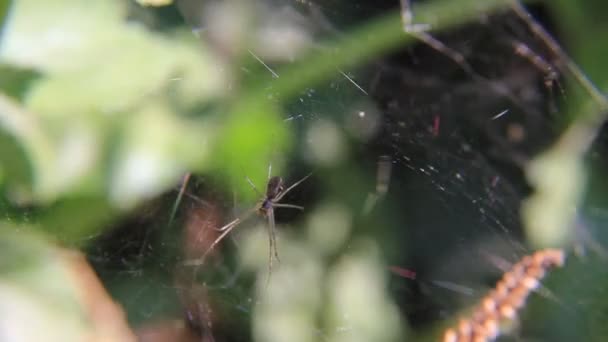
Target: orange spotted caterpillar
x: 509, y: 295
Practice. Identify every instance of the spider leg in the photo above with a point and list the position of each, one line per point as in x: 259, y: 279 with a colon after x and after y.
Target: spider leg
x: 238, y: 219
x: 278, y: 198
x: 272, y: 226
x: 229, y: 225
x: 272, y: 243
x: 225, y: 230
x: 200, y: 261
x: 254, y: 187
x: 285, y: 205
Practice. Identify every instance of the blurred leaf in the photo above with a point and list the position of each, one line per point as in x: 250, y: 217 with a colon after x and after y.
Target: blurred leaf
x: 156, y: 149
x: 100, y: 60
x: 253, y: 137
x: 559, y: 174
x: 49, y: 294
x: 14, y: 162
x: 154, y: 3
x: 102, y: 72
x: 15, y: 81
x: 583, y: 25
x: 4, y: 8
x: 77, y: 220
x: 549, y: 214
x: 29, y: 148
x: 358, y: 308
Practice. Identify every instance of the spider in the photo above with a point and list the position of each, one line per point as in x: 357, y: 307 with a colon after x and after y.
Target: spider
x: 275, y: 191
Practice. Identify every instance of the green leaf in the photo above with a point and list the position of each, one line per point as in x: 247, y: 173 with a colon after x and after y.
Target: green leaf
x: 36, y: 288
x: 28, y: 148
x: 77, y: 220
x: 155, y: 149
x: 102, y: 75
x: 253, y: 137
x: 4, y: 7
x: 15, y: 81
x: 14, y: 162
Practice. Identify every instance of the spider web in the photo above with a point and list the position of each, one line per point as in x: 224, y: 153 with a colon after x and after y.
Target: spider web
x: 457, y: 136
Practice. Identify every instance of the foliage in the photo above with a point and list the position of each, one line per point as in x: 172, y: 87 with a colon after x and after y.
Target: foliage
x: 100, y: 115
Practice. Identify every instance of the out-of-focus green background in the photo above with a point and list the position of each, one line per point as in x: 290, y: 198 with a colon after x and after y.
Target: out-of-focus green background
x: 106, y: 106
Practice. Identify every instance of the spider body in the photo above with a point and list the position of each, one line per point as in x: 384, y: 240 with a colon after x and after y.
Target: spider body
x: 274, y: 188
